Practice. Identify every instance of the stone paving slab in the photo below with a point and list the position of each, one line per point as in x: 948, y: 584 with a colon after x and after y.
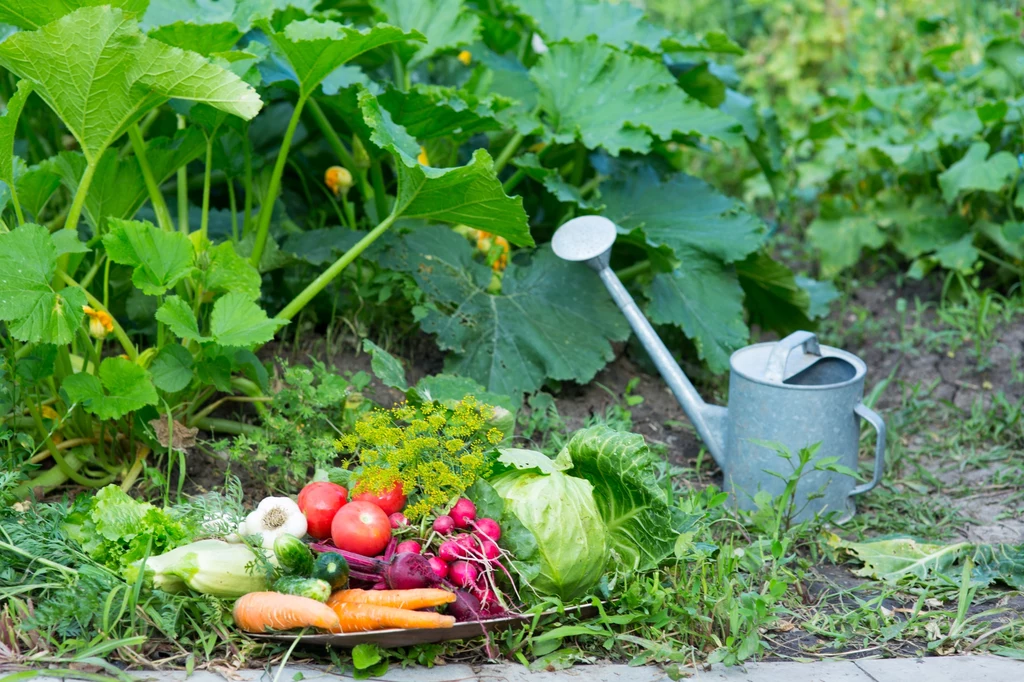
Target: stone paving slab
x: 936, y: 669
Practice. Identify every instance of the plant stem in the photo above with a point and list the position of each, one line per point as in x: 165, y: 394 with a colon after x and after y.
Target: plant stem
x: 75, y: 212
x: 267, y: 205
x: 227, y: 426
x: 506, y: 153
x: 247, y: 154
x: 513, y: 180
x: 122, y: 337
x: 182, y: 189
x: 634, y: 270
x: 205, y: 221
x: 234, y: 209
x: 17, y: 206
x: 37, y: 559
x: 380, y: 196
x: 163, y: 216
x: 337, y: 145
x: 328, y: 275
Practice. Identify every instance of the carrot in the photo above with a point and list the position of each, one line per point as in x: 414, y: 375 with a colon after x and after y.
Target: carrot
x: 366, y: 617
x: 422, y: 598
x: 264, y: 611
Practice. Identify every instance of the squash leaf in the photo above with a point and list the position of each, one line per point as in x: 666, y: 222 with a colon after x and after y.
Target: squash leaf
x: 8, y: 126
x: 179, y: 318
x: 34, y: 312
x: 172, y: 368
x: 33, y: 14
x: 122, y: 387
x: 620, y: 24
x: 160, y: 259
x: 237, y: 321
x: 447, y: 24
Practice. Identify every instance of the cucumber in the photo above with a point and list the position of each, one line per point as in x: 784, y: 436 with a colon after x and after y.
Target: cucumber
x: 331, y: 568
x: 293, y: 556
x: 312, y: 588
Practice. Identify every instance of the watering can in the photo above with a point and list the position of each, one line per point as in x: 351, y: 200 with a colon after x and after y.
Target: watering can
x: 793, y: 393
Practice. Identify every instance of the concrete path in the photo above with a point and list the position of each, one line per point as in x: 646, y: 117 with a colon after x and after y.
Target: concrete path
x: 947, y: 669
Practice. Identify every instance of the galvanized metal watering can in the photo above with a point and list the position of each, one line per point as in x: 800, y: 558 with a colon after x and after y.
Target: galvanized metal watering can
x: 794, y: 392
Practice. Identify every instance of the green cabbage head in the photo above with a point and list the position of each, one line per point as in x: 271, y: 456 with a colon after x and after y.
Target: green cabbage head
x: 561, y: 513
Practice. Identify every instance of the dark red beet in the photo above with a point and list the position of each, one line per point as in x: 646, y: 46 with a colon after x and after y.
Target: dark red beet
x: 409, y: 571
x: 465, y: 608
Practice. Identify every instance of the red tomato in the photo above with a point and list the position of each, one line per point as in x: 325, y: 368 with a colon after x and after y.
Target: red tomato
x: 361, y: 527
x: 320, y: 501
x: 391, y: 501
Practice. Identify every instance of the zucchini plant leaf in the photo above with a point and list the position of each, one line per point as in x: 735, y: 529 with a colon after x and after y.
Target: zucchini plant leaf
x: 242, y: 13
x: 620, y: 24
x: 37, y: 185
x: 551, y: 320
x: 431, y: 111
x: 179, y: 318
x: 172, y: 368
x: 606, y: 98
x: 642, y: 525
x: 34, y: 312
x: 122, y: 387
x: 977, y: 171
x: 8, y: 126
x: 839, y: 240
x: 204, y: 39
x: 67, y: 241
x: 160, y: 259
x: 313, y: 49
x: 237, y: 321
x: 33, y: 14
x: 117, y: 75
x: 447, y: 24
x: 227, y: 272
x: 704, y: 231
x: 554, y: 182
x: 893, y: 559
x: 772, y: 294
x: 385, y: 366
x: 1003, y: 563
x: 468, y: 195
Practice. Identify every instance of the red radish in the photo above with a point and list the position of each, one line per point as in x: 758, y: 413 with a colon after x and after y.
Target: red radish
x: 398, y: 520
x: 463, y: 573
x: 440, y: 567
x: 319, y: 502
x: 450, y: 551
x: 444, y: 524
x: 408, y: 546
x: 463, y: 512
x: 361, y: 527
x: 469, y: 543
x: 485, y: 595
x: 489, y: 528
x: 490, y: 549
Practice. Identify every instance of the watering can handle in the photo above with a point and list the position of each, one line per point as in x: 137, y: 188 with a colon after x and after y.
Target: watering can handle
x: 776, y: 368
x: 872, y: 418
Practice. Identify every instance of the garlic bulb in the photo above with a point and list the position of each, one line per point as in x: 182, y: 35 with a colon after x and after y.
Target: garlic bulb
x: 275, y: 516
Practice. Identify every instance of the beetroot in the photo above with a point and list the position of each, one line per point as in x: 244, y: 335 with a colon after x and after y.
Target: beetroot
x: 463, y: 574
x: 409, y: 546
x: 463, y: 512
x: 440, y: 567
x: 409, y: 571
x: 444, y: 524
x: 488, y: 528
x: 465, y: 608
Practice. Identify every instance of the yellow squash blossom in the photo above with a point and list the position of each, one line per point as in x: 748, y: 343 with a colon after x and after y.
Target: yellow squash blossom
x: 422, y: 158
x: 100, y: 322
x: 485, y: 241
x: 338, y: 180
x: 465, y: 57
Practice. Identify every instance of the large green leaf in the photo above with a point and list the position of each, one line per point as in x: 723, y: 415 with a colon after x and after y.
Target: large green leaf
x: 100, y: 74
x: 1003, y: 563
x: 33, y: 14
x: 977, y: 171
x: 469, y: 195
x: 553, y: 182
x: 447, y: 24
x: 840, y: 240
x: 34, y: 312
x: 122, y: 387
x: 620, y: 24
x: 179, y: 318
x: 430, y: 111
x: 642, y: 527
x: 172, y: 368
x: 551, y: 320
x: 204, y: 39
x: 227, y: 272
x: 242, y: 13
x: 894, y: 559
x: 705, y: 232
x: 610, y: 99
x: 160, y: 259
x: 772, y: 294
x: 37, y: 185
x: 313, y: 49
x: 8, y: 128
x: 237, y: 321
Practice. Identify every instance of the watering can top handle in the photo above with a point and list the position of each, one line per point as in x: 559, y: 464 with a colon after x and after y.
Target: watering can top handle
x: 775, y: 370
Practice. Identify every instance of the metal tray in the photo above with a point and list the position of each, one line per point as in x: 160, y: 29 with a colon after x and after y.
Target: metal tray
x: 388, y: 639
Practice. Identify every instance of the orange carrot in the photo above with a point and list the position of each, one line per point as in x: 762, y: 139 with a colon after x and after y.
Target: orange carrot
x: 423, y: 598
x: 366, y: 617
x: 265, y: 611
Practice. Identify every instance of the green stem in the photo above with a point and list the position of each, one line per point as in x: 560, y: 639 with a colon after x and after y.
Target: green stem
x: 506, y: 154
x: 380, y: 197
x: 227, y: 426
x: 337, y: 145
x: 17, y: 206
x: 75, y: 212
x: 513, y: 180
x: 247, y: 153
x: 267, y: 205
x: 634, y: 270
x: 163, y: 216
x: 233, y: 205
x: 328, y: 275
x: 38, y: 559
x: 205, y: 221
x: 122, y: 337
x: 182, y: 189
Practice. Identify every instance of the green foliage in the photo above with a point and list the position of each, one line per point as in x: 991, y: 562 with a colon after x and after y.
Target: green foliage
x: 122, y: 387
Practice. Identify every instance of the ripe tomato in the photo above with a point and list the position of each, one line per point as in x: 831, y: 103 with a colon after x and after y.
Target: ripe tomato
x: 390, y: 502
x: 320, y: 501
x: 361, y: 527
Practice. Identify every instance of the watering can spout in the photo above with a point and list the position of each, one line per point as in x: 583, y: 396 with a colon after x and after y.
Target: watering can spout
x: 589, y: 239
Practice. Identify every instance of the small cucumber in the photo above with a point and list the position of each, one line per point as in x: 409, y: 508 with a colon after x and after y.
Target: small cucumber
x: 304, y: 587
x: 294, y: 556
x: 331, y: 568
